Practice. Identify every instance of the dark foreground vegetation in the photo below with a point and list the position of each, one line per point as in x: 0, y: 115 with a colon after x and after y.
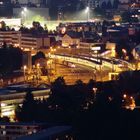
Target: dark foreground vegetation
x: 97, y: 111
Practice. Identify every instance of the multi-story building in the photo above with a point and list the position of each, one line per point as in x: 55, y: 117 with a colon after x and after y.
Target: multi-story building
x: 35, y: 2
x: 24, y: 41
x: 52, y: 133
x: 77, y: 27
x: 11, y: 96
x: 11, y: 131
x: 28, y: 41
x: 91, y: 3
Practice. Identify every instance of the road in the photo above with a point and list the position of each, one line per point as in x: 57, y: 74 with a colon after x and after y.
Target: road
x: 72, y: 73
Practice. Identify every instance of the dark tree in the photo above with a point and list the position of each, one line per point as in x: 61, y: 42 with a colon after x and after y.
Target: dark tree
x: 10, y: 59
x: 37, y: 57
x: 27, y: 113
x: 5, y: 119
x: 126, y: 17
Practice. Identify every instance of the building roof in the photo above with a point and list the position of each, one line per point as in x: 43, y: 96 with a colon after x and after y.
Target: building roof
x: 117, y: 29
x: 23, y: 124
x: 47, y: 133
x: 73, y: 34
x: 137, y: 48
x: 86, y: 34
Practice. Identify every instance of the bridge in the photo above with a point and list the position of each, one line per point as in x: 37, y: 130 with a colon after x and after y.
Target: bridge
x: 92, y: 62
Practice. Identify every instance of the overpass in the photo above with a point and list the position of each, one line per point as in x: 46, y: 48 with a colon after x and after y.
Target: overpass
x: 92, y: 62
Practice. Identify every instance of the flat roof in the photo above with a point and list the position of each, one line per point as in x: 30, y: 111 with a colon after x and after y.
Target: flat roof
x: 46, y: 133
x: 17, y: 89
x: 23, y: 124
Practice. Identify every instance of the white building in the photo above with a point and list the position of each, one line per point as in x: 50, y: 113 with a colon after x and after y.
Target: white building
x: 10, y: 131
x: 37, y: 2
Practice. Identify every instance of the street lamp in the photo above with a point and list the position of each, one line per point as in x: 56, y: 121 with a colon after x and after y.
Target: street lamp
x: 112, y: 62
x: 49, y: 63
x: 94, y: 73
x: 25, y: 9
x: 24, y: 13
x: 38, y: 65
x: 124, y: 96
x: 124, y: 53
x: 38, y: 72
x: 24, y: 70
x: 88, y: 12
x: 95, y: 91
x: 53, y: 51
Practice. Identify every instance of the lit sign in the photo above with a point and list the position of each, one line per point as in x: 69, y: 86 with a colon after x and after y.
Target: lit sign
x: 96, y: 48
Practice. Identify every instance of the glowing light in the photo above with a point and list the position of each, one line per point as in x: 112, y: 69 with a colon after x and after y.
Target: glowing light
x: 124, y: 96
x: 48, y: 62
x: 124, y: 51
x: 16, y: 45
x: 95, y: 48
x: 24, y: 67
x: 26, y: 49
x: 7, y: 113
x: 95, y: 89
x: 38, y: 65
x: 131, y: 97
x: 87, y: 9
x: 25, y: 9
x: 22, y: 12
x: 73, y: 66
x: 63, y: 31
x: 113, y: 52
x: 3, y: 104
x: 96, y: 51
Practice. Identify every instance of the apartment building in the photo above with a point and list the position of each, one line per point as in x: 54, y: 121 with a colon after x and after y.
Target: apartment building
x: 52, y: 133
x: 28, y: 41
x: 37, y: 2
x: 6, y: 36
x: 24, y: 41
x: 11, y: 131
